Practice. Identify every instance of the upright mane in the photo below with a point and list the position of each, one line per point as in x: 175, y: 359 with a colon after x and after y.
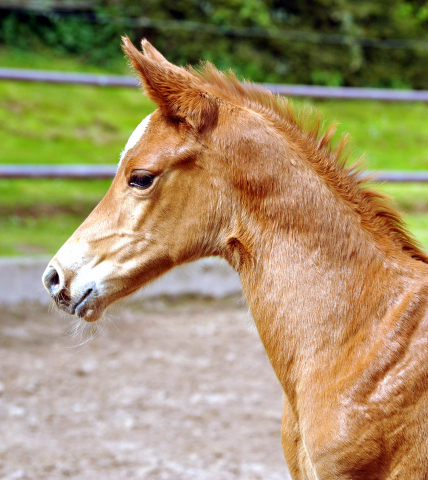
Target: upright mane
x: 306, y: 129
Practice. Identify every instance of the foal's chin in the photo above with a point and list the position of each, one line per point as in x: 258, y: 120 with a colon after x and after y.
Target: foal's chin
x: 88, y: 310
x: 92, y: 315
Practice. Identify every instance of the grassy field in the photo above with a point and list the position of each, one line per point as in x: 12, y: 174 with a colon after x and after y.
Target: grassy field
x: 66, y: 124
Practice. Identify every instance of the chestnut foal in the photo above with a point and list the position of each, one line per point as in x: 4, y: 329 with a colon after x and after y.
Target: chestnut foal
x: 337, y: 286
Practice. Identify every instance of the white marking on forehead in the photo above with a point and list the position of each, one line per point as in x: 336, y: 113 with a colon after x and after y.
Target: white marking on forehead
x: 135, y: 137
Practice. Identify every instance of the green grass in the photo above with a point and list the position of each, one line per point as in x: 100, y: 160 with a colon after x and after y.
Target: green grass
x: 37, y: 216
x: 69, y: 124
x: 49, y: 124
x: 418, y: 225
x: 28, y: 235
x: 393, y: 136
x: 411, y: 199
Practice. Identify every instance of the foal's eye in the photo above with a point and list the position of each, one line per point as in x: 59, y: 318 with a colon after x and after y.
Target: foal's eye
x: 141, y: 179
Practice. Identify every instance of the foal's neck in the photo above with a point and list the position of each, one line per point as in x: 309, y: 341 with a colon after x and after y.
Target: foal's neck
x: 314, y: 279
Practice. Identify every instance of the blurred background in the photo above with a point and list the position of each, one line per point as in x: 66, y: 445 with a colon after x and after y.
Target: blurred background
x: 336, y: 43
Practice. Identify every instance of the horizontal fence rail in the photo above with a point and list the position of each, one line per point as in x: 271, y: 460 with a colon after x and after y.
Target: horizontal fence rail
x: 351, y: 93
x: 108, y: 171
x: 313, y: 91
x: 49, y: 76
x: 58, y: 171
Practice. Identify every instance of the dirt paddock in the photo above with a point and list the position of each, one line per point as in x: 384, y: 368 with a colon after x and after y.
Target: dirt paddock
x: 174, y: 390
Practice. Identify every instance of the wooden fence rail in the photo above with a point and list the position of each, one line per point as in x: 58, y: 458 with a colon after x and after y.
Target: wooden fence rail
x: 108, y: 171
x: 313, y: 91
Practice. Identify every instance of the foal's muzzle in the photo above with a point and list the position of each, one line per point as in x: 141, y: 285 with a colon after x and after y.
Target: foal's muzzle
x: 80, y: 304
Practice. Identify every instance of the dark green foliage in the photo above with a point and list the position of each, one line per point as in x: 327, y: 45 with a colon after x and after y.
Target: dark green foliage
x: 82, y: 35
x: 327, y: 42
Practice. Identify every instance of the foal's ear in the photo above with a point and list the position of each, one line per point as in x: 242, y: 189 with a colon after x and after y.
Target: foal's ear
x: 174, y: 89
x: 150, y: 51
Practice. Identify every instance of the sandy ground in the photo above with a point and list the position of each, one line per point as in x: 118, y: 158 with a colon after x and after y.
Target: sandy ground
x: 171, y: 390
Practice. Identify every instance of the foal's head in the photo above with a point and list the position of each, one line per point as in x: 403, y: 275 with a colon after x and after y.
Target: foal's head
x: 169, y: 202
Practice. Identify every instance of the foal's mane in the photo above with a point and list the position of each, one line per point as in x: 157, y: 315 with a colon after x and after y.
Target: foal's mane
x: 306, y: 129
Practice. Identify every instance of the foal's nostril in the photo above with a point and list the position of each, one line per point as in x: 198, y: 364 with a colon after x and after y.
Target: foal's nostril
x: 52, y: 281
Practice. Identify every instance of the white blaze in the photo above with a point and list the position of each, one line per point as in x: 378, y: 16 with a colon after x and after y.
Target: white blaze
x: 135, y: 137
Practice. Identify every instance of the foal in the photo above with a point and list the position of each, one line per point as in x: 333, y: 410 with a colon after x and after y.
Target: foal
x: 337, y: 287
